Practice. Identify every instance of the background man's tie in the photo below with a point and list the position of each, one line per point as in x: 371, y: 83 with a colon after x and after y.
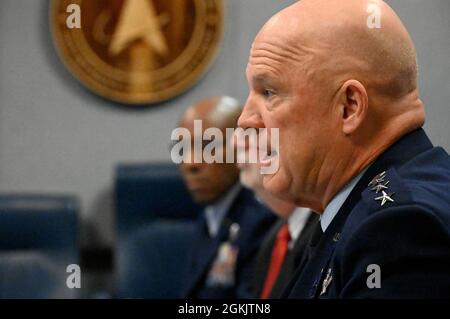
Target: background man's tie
x: 279, y: 252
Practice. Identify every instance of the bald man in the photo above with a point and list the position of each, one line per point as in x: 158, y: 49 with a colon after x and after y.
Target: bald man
x: 233, y: 222
x: 343, y: 93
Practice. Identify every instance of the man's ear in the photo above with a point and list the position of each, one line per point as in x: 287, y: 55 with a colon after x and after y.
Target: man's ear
x: 354, y: 103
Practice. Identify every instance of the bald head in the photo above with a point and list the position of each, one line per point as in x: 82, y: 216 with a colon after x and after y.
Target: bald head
x: 209, y: 181
x: 339, y: 80
x: 221, y: 112
x: 336, y: 39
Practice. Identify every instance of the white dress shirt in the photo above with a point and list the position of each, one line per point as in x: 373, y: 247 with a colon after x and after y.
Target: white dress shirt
x: 296, y: 223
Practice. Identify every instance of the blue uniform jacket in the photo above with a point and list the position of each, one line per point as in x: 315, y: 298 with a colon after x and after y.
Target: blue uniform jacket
x: 254, y: 220
x: 400, y: 249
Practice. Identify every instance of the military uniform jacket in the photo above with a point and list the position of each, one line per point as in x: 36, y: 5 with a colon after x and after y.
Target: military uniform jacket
x: 391, y: 237
x: 254, y: 220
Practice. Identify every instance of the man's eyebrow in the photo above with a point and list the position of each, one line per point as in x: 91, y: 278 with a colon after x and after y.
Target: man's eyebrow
x: 262, y: 78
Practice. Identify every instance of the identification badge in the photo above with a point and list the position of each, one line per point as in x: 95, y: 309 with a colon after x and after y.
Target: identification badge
x: 223, y: 271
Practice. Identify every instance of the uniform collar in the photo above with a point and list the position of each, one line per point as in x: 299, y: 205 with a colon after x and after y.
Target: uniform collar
x: 338, y: 200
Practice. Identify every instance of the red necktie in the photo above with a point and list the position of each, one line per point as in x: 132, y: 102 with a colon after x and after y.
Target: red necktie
x: 279, y: 252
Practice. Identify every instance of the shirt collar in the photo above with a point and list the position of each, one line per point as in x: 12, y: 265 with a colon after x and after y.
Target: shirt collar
x: 336, y: 203
x: 216, y: 212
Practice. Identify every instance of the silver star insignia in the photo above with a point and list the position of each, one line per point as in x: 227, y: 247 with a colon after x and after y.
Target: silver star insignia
x: 326, y: 282
x: 380, y: 187
x: 378, y: 179
x: 385, y: 198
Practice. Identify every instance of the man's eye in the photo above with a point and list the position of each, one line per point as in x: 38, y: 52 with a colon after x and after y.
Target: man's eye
x: 268, y: 93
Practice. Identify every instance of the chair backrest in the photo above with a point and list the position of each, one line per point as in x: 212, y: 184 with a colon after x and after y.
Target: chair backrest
x: 154, y: 222
x: 154, y: 260
x: 38, y: 239
x: 32, y: 275
x: 148, y: 192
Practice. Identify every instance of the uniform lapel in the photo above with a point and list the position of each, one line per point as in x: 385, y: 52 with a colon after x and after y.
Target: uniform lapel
x: 205, y: 251
x: 206, y: 248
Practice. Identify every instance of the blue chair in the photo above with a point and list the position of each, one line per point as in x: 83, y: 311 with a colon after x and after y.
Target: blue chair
x: 154, y: 222
x: 38, y: 240
x: 153, y: 260
x: 147, y: 192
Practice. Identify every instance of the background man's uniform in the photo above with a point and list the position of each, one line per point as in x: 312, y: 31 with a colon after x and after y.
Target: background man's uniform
x: 222, y: 258
x: 299, y: 228
x: 397, y: 217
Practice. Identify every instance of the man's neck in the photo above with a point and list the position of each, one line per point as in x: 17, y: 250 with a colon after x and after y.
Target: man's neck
x: 280, y: 207
x: 358, y: 159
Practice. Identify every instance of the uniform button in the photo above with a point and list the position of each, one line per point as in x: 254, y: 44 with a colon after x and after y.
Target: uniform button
x: 336, y: 237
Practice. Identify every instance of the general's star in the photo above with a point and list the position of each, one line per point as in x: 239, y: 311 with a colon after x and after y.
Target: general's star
x: 385, y: 198
x: 138, y: 20
x: 380, y: 187
x: 377, y: 179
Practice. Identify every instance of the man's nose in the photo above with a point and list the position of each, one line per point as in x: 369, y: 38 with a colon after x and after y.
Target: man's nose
x: 192, y: 160
x: 250, y: 116
x: 191, y: 167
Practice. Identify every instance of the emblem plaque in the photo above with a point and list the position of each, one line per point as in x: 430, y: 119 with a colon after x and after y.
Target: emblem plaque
x: 138, y: 51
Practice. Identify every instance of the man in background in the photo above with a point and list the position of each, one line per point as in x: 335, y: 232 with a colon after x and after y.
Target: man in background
x: 283, y: 248
x: 233, y: 223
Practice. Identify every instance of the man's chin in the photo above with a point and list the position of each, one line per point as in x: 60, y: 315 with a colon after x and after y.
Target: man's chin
x: 202, y: 199
x: 275, y: 185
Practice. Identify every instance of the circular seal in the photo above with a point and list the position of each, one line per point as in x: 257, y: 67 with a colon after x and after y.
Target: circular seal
x: 137, y: 51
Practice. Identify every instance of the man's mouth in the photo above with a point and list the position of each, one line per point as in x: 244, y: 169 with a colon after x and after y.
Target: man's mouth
x: 197, y: 184
x: 267, y: 158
